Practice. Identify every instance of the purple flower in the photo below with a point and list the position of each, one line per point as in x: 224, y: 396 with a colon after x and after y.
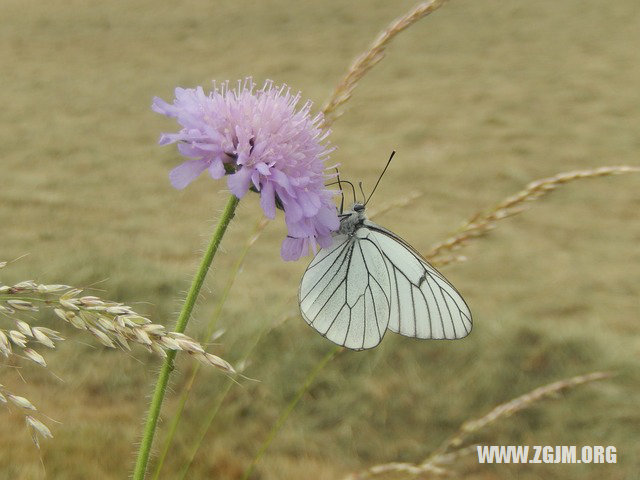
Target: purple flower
x: 262, y: 143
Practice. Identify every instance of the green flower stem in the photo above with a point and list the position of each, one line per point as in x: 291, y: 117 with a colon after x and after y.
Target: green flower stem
x: 163, y: 378
x: 289, y: 408
x: 173, y: 427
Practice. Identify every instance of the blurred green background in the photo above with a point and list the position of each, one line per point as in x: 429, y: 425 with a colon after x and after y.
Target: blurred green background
x: 478, y: 99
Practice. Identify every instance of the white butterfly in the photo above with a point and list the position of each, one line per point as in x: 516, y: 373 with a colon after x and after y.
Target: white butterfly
x: 371, y: 280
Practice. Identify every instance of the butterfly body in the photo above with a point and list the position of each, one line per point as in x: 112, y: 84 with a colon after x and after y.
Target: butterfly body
x: 352, y: 220
x: 370, y: 280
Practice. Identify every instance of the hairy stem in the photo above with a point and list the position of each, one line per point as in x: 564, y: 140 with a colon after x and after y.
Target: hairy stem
x: 163, y: 377
x: 173, y: 427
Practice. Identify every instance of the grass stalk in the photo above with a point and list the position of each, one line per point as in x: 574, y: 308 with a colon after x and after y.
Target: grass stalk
x: 372, y: 57
x: 453, y: 448
x: 507, y: 409
x: 481, y: 223
x: 289, y: 408
x: 206, y: 425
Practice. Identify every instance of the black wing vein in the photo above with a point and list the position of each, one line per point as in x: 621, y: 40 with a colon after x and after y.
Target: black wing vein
x: 347, y: 298
x: 442, y: 302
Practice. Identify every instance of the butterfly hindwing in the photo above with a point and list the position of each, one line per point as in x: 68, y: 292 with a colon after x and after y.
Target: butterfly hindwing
x: 345, y: 293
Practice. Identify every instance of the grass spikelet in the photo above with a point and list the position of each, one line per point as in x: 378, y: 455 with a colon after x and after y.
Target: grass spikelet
x: 112, y: 323
x: 397, y: 203
x: 451, y: 448
x: 18, y: 338
x: 517, y: 404
x: 482, y: 222
x: 372, y: 57
x: 37, y: 428
x: 21, y: 402
x: 5, y: 345
x: 21, y: 305
x: 24, y: 328
x: 31, y: 354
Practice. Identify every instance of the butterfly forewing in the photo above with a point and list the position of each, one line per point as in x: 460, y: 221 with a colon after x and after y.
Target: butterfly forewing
x: 423, y: 303
x: 345, y: 294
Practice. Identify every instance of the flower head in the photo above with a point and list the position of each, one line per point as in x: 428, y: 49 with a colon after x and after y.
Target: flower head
x: 263, y: 143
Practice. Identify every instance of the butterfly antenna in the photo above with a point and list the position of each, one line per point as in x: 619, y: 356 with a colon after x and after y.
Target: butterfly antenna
x: 380, y: 177
x: 362, y: 191
x: 341, y: 192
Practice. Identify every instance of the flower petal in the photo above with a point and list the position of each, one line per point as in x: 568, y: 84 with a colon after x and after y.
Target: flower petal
x: 263, y: 168
x: 292, y: 248
x: 184, y: 174
x: 301, y: 229
x: 268, y: 200
x: 216, y: 169
x: 239, y: 182
x: 328, y: 217
x: 191, y: 150
x: 325, y: 241
x: 162, y: 107
x: 292, y: 210
x: 255, y: 179
x: 167, y: 138
x: 310, y: 203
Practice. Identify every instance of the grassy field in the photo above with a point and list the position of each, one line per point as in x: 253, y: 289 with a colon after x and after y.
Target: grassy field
x: 478, y: 99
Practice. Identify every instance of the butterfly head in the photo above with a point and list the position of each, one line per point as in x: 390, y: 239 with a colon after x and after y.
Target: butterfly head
x: 350, y: 221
